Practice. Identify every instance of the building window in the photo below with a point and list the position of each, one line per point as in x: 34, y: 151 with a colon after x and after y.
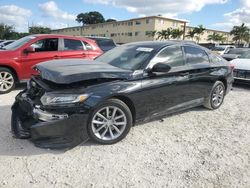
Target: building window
x: 161, y: 21
x: 130, y: 34
x: 148, y: 21
x: 174, y: 24
x: 130, y: 23
x: 137, y: 23
x: 137, y: 33
x: 77, y: 29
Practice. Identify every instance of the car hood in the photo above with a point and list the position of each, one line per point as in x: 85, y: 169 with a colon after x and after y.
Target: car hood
x: 76, y: 70
x: 243, y: 64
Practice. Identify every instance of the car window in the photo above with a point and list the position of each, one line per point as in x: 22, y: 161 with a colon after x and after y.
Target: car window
x: 46, y: 45
x: 70, y: 44
x: 88, y: 46
x: 245, y: 55
x: 172, y: 56
x: 195, y: 55
x: 105, y: 44
x: 214, y: 58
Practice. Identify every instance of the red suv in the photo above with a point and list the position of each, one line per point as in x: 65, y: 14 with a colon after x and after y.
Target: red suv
x: 18, y: 58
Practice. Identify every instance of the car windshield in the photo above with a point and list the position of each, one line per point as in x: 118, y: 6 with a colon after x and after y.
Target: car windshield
x: 219, y: 48
x: 126, y: 57
x: 245, y: 55
x: 19, y: 43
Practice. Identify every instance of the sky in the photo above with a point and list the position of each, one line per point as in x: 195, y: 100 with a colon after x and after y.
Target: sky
x: 213, y: 14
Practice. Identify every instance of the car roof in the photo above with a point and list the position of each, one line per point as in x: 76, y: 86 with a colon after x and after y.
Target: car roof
x: 97, y: 37
x: 63, y: 36
x: 162, y: 44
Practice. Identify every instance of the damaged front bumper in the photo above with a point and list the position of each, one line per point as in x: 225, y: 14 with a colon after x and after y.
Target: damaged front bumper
x: 46, y: 129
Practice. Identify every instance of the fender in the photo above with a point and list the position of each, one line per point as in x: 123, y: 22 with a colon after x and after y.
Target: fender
x: 14, y: 66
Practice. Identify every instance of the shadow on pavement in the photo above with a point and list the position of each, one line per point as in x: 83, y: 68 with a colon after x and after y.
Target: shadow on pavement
x: 10, y: 146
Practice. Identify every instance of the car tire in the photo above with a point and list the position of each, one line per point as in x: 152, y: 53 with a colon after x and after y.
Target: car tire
x: 7, y: 80
x: 216, y: 96
x: 109, y: 127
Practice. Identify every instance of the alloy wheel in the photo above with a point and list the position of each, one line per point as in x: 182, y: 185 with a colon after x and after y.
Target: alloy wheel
x: 109, y: 123
x: 218, y: 95
x: 6, y: 81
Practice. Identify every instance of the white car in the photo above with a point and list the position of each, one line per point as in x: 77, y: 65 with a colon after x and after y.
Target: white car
x: 222, y: 49
x: 242, y: 67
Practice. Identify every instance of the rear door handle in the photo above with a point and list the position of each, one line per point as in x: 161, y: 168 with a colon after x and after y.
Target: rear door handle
x: 184, y: 74
x: 57, y: 57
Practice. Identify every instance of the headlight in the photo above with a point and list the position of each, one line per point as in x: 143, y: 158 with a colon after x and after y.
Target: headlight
x: 59, y: 99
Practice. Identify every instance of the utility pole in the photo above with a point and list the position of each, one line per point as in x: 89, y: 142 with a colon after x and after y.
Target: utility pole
x: 184, y: 31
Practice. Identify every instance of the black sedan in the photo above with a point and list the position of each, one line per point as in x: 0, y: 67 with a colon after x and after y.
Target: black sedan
x: 73, y: 99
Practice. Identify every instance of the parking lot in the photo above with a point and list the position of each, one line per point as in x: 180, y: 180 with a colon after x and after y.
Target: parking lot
x: 196, y: 148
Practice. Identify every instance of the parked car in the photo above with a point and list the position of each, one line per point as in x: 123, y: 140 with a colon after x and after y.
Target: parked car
x: 222, y: 49
x: 5, y: 43
x: 104, y: 43
x: 74, y: 99
x: 18, y: 58
x: 235, y: 53
x: 242, y: 67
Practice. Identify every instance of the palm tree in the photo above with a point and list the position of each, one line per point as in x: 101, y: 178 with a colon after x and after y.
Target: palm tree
x: 164, y: 34
x: 151, y: 34
x: 222, y: 38
x: 176, y: 33
x: 191, y: 33
x: 199, y: 30
x: 215, y: 37
x: 241, y: 33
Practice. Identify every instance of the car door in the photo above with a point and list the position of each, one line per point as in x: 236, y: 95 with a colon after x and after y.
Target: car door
x: 166, y: 92
x: 73, y: 48
x: 44, y: 50
x: 92, y: 53
x: 200, y: 69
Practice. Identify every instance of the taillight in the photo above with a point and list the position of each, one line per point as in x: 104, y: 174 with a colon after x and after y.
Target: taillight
x: 232, y: 67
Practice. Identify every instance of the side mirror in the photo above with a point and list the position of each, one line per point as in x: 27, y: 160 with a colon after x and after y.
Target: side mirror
x: 30, y: 49
x: 161, y: 67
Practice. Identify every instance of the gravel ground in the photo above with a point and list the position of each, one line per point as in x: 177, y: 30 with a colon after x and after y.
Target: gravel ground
x: 196, y: 148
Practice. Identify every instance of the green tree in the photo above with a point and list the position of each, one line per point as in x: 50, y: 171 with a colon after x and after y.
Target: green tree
x: 90, y: 18
x: 215, y: 37
x: 164, y: 34
x: 39, y: 30
x: 191, y: 34
x: 241, y: 33
x: 6, y: 31
x: 151, y: 33
x: 111, y: 20
x: 176, y: 33
x: 199, y: 30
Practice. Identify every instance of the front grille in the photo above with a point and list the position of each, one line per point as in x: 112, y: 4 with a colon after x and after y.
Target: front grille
x: 242, y: 74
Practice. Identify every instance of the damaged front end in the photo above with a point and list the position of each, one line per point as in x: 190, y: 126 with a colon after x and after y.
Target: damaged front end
x: 51, y: 125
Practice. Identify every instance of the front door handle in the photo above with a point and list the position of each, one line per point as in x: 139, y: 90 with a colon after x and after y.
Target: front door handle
x: 57, y: 57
